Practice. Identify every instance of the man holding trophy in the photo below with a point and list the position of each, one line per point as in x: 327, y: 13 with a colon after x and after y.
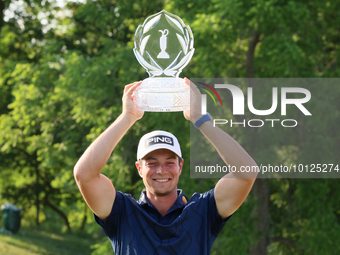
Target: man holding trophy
x: 164, y: 220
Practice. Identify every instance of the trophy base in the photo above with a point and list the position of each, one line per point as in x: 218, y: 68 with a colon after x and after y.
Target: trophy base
x: 162, y: 94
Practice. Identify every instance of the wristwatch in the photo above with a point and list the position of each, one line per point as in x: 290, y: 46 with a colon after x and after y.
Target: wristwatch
x: 203, y: 119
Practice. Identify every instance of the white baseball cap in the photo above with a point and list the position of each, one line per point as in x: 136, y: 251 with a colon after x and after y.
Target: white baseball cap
x: 156, y: 140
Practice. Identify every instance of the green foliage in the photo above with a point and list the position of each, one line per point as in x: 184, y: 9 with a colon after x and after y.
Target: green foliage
x: 61, y: 86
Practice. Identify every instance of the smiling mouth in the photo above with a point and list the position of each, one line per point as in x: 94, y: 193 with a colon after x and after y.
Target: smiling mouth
x: 161, y: 180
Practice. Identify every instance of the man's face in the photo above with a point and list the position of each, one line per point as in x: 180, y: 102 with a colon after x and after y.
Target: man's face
x: 160, y: 171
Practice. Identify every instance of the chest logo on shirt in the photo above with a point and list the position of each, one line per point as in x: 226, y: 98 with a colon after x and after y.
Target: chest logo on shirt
x: 159, y: 139
x: 184, y: 200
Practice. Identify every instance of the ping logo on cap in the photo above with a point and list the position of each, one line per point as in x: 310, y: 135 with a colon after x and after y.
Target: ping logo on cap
x: 159, y: 139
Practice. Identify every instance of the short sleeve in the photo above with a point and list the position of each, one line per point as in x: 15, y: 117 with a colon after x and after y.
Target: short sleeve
x: 216, y: 221
x: 112, y: 223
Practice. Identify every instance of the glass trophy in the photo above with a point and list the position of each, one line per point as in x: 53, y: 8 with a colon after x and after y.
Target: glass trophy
x: 163, y: 46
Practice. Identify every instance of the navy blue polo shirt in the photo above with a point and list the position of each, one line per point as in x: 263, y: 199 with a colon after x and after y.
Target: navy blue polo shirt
x: 189, y: 227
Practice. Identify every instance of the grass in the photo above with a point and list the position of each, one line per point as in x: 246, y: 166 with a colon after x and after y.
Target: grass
x: 40, y: 242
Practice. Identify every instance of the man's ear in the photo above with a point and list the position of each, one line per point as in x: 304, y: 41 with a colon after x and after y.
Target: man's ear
x: 138, y: 166
x: 181, y: 166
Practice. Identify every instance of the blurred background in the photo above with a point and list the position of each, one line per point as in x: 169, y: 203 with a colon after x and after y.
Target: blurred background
x: 63, y: 67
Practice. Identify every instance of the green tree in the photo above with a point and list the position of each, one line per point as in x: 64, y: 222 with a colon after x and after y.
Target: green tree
x: 61, y: 86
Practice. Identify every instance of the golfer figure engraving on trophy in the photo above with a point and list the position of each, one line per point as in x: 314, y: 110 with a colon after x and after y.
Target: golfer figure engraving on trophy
x: 162, y: 44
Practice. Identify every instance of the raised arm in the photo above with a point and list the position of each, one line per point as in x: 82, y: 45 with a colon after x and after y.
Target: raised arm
x: 97, y: 189
x: 231, y: 190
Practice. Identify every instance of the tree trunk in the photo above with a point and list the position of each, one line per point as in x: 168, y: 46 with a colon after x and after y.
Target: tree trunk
x: 83, y: 223
x: 37, y: 202
x: 261, y: 186
x: 250, y: 73
x: 262, y: 194
x: 61, y: 214
x: 2, y: 8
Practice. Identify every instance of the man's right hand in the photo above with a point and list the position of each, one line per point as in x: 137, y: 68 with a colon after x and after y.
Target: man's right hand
x: 128, y: 105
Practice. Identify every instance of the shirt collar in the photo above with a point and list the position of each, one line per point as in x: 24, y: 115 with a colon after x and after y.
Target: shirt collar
x: 181, y: 201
